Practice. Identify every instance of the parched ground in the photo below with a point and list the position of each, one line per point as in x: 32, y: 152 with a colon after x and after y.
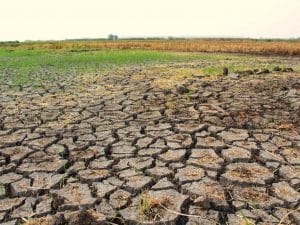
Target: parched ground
x: 135, y: 149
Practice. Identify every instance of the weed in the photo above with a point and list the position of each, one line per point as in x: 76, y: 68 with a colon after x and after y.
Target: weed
x: 62, y: 182
x: 2, y: 190
x: 151, y: 208
x: 245, y: 220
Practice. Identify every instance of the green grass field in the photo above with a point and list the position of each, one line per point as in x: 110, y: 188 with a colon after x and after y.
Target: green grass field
x: 19, y: 65
x: 22, y: 67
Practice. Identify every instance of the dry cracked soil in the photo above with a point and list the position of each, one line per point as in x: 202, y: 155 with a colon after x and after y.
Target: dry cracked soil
x: 121, y: 150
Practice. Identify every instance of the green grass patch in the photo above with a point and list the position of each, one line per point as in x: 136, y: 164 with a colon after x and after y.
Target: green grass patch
x: 23, y: 66
x: 27, y: 66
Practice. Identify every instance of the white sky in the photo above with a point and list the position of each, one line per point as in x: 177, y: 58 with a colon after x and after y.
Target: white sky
x: 61, y: 19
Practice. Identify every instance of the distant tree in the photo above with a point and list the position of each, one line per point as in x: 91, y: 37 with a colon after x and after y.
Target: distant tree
x: 112, y: 37
x: 10, y: 43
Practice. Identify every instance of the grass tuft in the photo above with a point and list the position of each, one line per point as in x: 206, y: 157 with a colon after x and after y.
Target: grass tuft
x: 151, y: 208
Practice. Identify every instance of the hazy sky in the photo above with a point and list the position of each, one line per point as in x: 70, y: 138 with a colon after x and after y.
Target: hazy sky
x: 61, y: 19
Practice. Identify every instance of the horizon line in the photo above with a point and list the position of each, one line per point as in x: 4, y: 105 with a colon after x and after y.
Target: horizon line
x: 169, y: 37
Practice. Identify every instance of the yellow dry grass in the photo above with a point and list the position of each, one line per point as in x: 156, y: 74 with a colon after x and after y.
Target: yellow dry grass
x: 291, y: 48
x: 40, y: 221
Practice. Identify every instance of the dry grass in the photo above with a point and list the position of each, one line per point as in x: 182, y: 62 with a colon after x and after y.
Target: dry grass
x: 286, y: 216
x: 285, y: 48
x: 39, y: 221
x: 151, y: 208
x: 244, y: 172
x: 253, y: 196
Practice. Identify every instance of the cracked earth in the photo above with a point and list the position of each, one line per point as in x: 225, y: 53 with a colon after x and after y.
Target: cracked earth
x: 122, y: 150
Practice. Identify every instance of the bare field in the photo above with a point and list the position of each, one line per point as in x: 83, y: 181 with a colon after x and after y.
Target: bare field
x: 146, y: 137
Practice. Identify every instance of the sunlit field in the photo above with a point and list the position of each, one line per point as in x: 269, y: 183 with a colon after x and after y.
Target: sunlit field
x: 262, y: 47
